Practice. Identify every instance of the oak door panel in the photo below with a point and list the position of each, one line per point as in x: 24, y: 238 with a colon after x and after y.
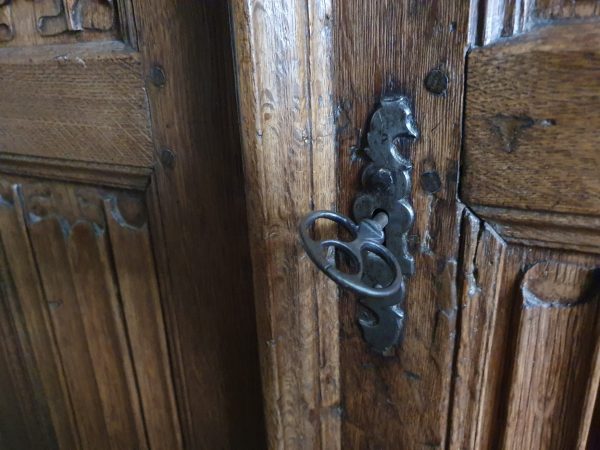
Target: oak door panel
x: 384, y: 48
x: 527, y: 369
x: 123, y: 203
x: 531, y: 128
x: 93, y: 321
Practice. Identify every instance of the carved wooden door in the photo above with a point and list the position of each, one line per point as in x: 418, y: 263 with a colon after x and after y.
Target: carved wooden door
x: 527, y: 359
x: 501, y: 344
x: 125, y: 301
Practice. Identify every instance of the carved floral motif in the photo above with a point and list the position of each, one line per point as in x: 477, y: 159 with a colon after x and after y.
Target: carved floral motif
x: 54, y: 17
x: 6, y: 24
x: 77, y: 15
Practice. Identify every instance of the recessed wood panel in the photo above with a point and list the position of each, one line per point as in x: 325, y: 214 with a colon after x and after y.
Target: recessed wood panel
x: 526, y: 369
x: 84, y: 104
x: 553, y: 361
x: 531, y: 131
x: 90, y: 312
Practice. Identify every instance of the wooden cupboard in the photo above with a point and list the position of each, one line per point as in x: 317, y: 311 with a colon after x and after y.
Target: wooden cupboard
x: 156, y: 158
x: 127, y: 310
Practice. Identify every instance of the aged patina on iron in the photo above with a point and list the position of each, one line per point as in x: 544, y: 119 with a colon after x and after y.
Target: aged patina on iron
x: 383, y: 216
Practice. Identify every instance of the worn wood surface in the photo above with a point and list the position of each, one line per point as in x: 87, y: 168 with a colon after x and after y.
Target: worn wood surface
x: 42, y: 22
x: 481, y: 337
x: 530, y: 141
x: 198, y: 222
x: 526, y: 373
x: 542, y: 229
x: 58, y: 99
x: 283, y: 54
x: 386, y: 47
x: 25, y: 415
x: 101, y: 362
x: 74, y: 106
x: 492, y: 20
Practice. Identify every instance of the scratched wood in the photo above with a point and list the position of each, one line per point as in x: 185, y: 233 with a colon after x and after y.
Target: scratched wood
x: 385, y: 47
x: 283, y: 53
x: 527, y: 369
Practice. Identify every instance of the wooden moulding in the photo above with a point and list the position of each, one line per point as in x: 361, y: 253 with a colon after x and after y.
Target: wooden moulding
x: 198, y: 222
x: 283, y: 54
x: 538, y: 228
x: 527, y: 367
x: 492, y: 20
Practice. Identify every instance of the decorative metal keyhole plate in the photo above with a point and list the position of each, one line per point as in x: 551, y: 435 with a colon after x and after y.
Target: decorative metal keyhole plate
x: 383, y: 217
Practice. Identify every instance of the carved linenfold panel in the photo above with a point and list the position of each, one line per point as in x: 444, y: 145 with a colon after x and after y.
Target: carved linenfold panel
x: 96, y: 315
x: 35, y: 22
x: 29, y: 424
x: 557, y: 336
x: 553, y: 285
x: 527, y: 366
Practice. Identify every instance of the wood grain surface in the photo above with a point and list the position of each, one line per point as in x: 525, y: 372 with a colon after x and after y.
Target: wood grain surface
x: 527, y: 368
x: 26, y: 23
x: 92, y: 319
x: 75, y: 103
x: 531, y: 138
x: 481, y: 337
x: 384, y: 47
x: 492, y: 20
x: 542, y: 229
x: 283, y: 54
x: 198, y: 222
